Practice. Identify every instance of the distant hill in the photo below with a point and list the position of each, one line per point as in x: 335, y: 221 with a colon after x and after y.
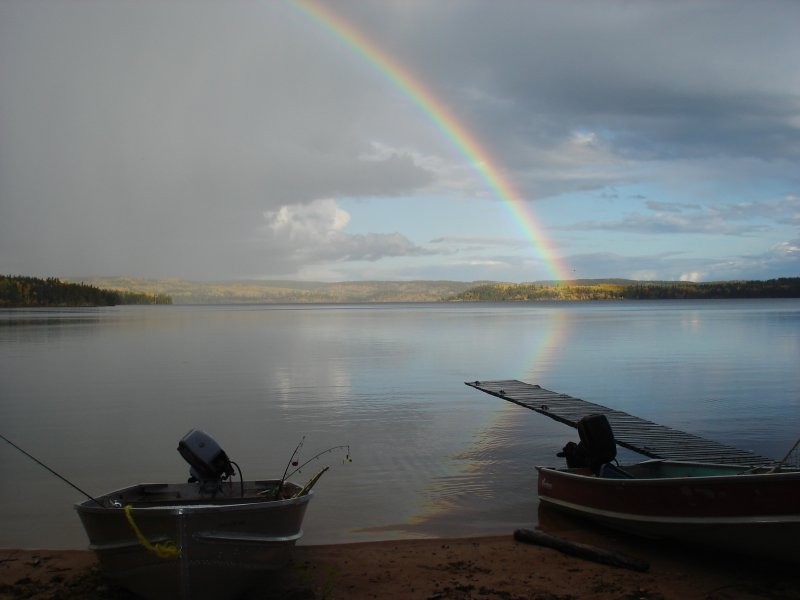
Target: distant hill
x: 285, y: 292
x: 299, y: 292
x: 620, y: 289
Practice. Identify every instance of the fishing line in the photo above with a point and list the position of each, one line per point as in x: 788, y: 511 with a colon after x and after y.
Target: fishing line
x: 41, y: 464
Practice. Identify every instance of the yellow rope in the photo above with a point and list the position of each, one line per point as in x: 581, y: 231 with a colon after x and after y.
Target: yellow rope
x: 165, y: 550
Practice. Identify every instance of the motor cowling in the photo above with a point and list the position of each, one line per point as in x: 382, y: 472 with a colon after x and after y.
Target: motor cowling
x: 208, y: 463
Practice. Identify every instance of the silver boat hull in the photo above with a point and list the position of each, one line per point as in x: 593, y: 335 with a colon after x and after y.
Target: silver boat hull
x: 211, y: 547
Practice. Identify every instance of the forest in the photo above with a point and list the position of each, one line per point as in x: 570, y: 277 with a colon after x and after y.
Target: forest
x: 785, y: 287
x: 19, y: 291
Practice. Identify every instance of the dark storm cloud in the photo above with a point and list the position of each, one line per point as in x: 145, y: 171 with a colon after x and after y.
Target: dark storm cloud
x: 653, y: 79
x: 162, y: 132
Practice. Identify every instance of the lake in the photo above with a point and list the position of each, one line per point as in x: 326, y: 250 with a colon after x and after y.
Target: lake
x: 103, y: 396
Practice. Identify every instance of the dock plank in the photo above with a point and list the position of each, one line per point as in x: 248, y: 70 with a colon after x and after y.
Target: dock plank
x: 631, y: 432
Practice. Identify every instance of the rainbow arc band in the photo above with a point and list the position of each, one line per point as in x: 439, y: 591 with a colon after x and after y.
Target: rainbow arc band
x: 435, y: 110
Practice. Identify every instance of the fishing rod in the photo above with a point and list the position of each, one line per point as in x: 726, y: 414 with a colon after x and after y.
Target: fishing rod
x: 782, y: 462
x: 293, y: 462
x: 41, y: 464
x: 290, y: 463
x: 318, y: 454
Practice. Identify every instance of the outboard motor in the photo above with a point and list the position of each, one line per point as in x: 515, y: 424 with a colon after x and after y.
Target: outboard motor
x: 598, y: 441
x: 208, y: 463
x: 596, y: 447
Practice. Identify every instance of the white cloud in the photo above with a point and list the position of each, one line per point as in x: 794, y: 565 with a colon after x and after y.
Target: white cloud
x: 315, y: 232
x: 320, y: 219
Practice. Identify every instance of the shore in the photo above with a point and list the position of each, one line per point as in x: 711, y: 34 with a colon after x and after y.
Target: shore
x: 488, y: 568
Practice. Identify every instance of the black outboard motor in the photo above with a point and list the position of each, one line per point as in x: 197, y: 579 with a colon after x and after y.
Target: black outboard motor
x: 208, y: 463
x: 598, y: 440
x: 597, y: 446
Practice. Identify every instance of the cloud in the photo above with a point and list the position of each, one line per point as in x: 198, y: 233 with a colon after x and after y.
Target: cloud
x: 785, y: 211
x: 670, y: 207
x: 781, y: 259
x: 149, y: 138
x: 778, y: 261
x: 572, y: 100
x: 741, y: 218
x: 319, y: 219
x: 708, y: 222
x: 315, y: 232
x: 709, y: 94
x: 479, y: 241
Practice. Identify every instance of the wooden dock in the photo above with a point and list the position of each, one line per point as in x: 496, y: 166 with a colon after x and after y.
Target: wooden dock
x: 639, y: 435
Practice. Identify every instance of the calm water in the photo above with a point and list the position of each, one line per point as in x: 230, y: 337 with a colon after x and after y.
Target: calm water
x: 104, y: 395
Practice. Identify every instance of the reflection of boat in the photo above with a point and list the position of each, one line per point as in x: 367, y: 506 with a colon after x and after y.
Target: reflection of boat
x: 205, y: 539
x: 753, y: 511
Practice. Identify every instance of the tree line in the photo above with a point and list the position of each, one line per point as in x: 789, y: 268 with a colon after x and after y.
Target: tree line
x: 784, y: 287
x: 18, y: 292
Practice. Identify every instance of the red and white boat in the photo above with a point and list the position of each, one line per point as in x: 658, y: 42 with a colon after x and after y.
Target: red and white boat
x: 746, y: 510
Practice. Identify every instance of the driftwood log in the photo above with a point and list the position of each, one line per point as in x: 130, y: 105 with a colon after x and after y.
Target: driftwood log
x: 583, y: 551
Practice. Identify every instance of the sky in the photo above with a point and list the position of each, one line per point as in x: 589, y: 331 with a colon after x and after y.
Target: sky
x: 398, y: 140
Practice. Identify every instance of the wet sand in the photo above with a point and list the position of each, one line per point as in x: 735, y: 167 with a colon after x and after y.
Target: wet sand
x: 484, y: 568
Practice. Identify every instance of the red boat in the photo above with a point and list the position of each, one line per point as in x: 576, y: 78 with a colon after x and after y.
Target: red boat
x: 746, y: 510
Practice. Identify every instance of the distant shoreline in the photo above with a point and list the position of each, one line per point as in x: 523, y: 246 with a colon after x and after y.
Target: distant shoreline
x: 33, y: 292
x: 109, y: 291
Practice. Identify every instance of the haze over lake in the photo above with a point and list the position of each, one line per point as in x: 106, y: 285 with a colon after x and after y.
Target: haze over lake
x: 104, y: 395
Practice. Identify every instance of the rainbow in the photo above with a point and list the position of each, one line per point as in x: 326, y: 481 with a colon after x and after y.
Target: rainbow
x: 439, y: 114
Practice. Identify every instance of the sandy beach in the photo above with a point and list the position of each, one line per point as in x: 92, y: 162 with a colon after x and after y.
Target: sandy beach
x: 459, y: 568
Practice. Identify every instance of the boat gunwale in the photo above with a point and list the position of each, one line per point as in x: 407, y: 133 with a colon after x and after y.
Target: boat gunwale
x: 743, y: 476
x: 178, y: 506
x: 656, y: 519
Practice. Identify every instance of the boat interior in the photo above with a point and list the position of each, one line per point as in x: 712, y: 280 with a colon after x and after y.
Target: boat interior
x: 152, y: 494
